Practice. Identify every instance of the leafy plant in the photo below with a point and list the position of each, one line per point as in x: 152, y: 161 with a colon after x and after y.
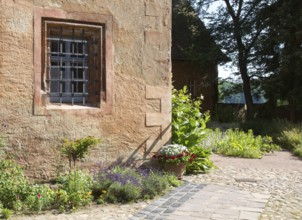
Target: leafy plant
x: 298, y: 151
x: 156, y: 183
x: 240, y: 144
x: 78, y: 149
x: 14, y: 187
x: 189, y: 129
x: 200, y: 161
x: 75, y: 189
x: 284, y: 133
x: 40, y: 197
x: 62, y: 200
x: 6, y: 213
x: 292, y: 139
x: 173, y: 180
x: 118, y: 192
x: 188, y: 123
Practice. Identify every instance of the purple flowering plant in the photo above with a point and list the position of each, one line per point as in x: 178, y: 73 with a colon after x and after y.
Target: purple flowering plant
x: 124, y: 184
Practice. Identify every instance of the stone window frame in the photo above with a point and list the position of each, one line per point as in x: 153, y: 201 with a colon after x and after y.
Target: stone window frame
x: 41, y: 105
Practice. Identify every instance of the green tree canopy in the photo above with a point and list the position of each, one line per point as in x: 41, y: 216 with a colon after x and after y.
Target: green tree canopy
x: 236, y: 28
x: 190, y: 38
x: 280, y: 51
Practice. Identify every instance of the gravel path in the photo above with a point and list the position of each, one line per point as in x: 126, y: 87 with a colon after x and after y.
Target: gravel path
x: 278, y: 174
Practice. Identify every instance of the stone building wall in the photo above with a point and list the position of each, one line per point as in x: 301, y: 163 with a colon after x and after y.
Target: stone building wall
x: 140, y: 88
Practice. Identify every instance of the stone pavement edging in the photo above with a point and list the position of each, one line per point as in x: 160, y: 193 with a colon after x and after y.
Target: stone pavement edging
x: 200, y: 201
x: 167, y: 204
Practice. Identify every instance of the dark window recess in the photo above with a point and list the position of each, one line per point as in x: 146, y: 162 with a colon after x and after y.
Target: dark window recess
x: 74, y: 63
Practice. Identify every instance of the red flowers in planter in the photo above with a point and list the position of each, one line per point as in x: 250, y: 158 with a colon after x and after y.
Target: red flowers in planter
x: 174, y: 154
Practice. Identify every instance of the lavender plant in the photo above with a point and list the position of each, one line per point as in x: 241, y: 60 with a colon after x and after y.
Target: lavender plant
x: 125, y: 184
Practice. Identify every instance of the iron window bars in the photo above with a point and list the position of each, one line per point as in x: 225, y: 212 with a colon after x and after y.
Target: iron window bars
x: 73, y: 62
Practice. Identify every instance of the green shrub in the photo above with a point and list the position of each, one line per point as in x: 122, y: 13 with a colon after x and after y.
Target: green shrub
x: 200, y: 162
x: 298, y: 151
x: 173, y: 180
x: 78, y: 149
x: 62, y: 200
x: 6, y: 213
x: 14, y: 187
x: 75, y: 189
x: 240, y: 144
x: 99, y: 188
x: 40, y: 197
x: 118, y: 192
x: 289, y: 139
x: 292, y: 139
x: 188, y: 123
x: 284, y: 133
x: 267, y: 145
x: 154, y: 184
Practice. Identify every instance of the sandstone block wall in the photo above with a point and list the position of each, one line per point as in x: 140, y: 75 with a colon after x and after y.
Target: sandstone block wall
x: 139, y: 122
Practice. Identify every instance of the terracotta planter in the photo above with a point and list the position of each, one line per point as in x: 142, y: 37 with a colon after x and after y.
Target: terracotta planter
x: 177, y: 169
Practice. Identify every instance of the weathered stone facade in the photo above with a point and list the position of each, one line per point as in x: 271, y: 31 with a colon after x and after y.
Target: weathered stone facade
x: 137, y: 117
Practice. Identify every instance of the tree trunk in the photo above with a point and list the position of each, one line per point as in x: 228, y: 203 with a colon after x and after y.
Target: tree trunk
x: 246, y: 86
x: 242, y: 58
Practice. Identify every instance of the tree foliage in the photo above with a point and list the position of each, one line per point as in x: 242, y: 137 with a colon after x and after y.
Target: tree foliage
x: 190, y: 38
x: 264, y: 40
x: 235, y: 26
x: 280, y: 51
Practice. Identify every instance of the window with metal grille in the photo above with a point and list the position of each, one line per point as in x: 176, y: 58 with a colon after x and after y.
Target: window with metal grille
x: 74, y: 62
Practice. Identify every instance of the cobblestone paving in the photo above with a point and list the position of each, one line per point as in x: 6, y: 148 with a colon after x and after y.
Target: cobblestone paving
x: 205, y: 202
x: 280, y: 176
